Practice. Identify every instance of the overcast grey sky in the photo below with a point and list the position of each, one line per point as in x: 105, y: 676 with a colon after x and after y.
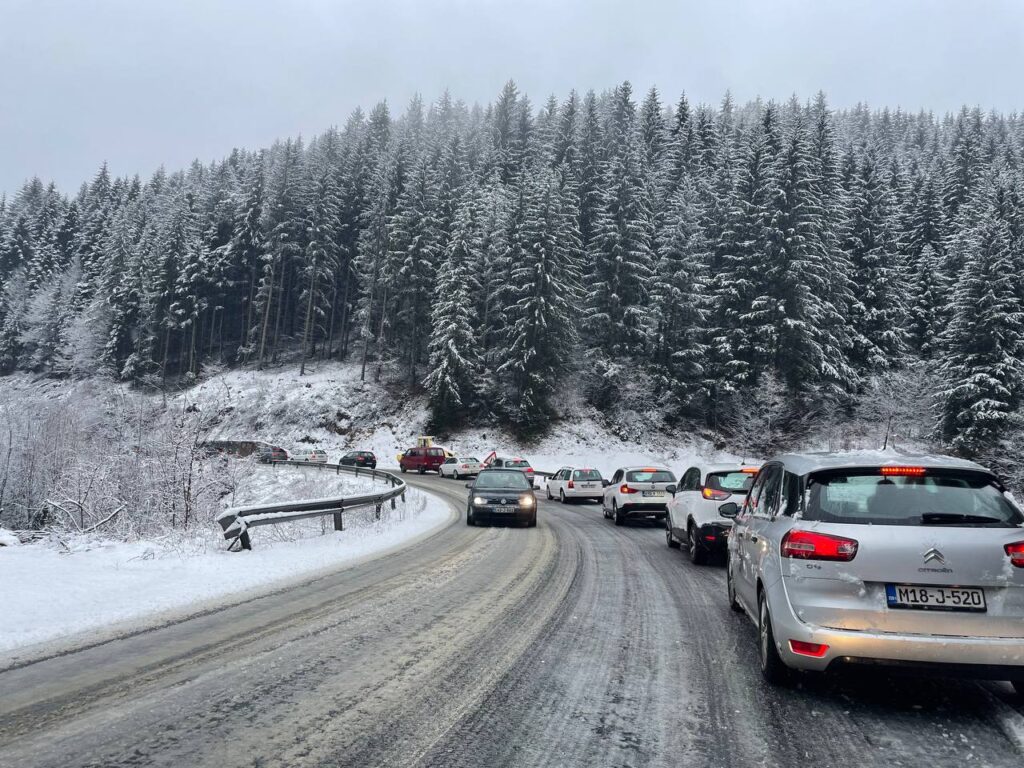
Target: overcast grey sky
x: 141, y: 83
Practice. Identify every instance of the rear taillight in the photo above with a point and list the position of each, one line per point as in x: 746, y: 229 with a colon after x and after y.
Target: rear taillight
x: 464, y: 466
x: 807, y: 545
x: 817, y: 650
x: 1016, y: 553
x: 713, y: 493
x: 571, y: 484
x: 626, y: 489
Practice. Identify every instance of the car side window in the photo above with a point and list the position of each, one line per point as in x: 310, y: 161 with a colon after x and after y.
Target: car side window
x: 617, y: 476
x: 691, y: 480
x: 750, y: 507
x: 790, y: 494
x: 772, y: 493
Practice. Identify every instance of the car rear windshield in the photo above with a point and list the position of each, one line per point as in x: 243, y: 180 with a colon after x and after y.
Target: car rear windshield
x: 650, y: 476
x: 365, y: 455
x: 470, y: 460
x: 586, y: 474
x: 517, y: 463
x: 733, y: 482
x: 935, y: 498
x: 499, y: 479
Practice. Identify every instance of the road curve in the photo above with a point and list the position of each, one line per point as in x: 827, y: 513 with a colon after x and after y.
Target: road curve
x: 577, y: 643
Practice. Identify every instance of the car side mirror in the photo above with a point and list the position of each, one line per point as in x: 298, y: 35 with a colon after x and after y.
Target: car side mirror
x: 730, y: 509
x: 469, y: 485
x: 671, y: 489
x: 605, y: 483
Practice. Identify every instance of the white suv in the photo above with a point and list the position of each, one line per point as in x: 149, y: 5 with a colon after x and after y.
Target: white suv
x: 571, y: 483
x: 693, y: 515
x: 638, y: 492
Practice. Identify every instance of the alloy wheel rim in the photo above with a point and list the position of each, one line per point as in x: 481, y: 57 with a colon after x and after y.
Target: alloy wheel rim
x: 763, y: 614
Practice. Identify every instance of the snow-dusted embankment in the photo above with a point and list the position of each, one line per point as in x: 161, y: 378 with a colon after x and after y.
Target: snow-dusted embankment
x: 49, y: 595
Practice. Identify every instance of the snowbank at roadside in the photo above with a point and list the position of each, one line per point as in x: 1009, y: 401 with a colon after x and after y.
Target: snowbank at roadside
x: 50, y: 595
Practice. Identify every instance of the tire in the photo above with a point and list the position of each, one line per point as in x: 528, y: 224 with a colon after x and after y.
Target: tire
x: 455, y: 475
x: 402, y: 467
x: 561, y: 495
x: 730, y: 589
x: 669, y: 538
x: 698, y: 555
x: 533, y: 522
x: 547, y: 490
x: 620, y: 519
x: 773, y: 670
x: 469, y: 517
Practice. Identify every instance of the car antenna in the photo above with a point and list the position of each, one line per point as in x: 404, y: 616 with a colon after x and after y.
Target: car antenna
x: 888, y: 428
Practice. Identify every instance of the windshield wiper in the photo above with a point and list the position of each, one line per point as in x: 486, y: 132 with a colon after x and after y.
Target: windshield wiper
x: 954, y: 518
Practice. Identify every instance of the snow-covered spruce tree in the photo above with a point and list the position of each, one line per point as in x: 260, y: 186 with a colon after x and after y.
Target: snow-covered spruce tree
x: 412, y: 264
x: 680, y: 300
x: 876, y: 314
x: 454, y: 376
x: 622, y: 247
x: 320, y: 257
x: 542, y: 335
x: 983, y: 347
x: 926, y: 306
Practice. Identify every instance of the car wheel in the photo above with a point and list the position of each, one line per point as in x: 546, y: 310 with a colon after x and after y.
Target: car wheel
x: 547, y: 490
x: 455, y: 474
x: 533, y: 522
x: 730, y: 588
x: 469, y: 517
x: 669, y: 538
x: 403, y: 469
x: 620, y: 519
x: 698, y: 555
x: 772, y: 668
x: 561, y: 495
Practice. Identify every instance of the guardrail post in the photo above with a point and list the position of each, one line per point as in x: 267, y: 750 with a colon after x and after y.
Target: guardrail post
x: 244, y: 539
x: 376, y: 515
x: 392, y: 502
x: 339, y: 521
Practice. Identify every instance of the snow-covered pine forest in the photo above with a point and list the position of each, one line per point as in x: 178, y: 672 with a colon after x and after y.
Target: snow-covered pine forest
x: 726, y: 260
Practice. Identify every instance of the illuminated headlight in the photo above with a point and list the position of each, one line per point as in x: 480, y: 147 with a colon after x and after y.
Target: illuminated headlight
x: 526, y: 501
x: 479, y: 501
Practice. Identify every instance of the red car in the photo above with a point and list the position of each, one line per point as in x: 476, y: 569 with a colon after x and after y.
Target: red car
x: 422, y: 460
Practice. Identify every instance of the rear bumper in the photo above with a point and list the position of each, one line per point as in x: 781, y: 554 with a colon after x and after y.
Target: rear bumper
x: 597, y: 494
x: 980, y: 657
x: 714, y: 536
x: 645, y: 509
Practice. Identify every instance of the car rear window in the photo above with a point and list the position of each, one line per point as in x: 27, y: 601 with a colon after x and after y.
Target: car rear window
x: 650, y: 476
x: 496, y: 478
x: 586, y: 474
x: 934, y: 498
x: 734, y: 482
x: 470, y: 460
x: 517, y: 463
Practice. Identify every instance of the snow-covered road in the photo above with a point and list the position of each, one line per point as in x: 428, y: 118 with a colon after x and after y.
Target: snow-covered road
x: 577, y: 643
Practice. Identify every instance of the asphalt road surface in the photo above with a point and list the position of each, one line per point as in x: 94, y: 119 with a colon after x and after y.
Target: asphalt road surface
x: 576, y: 643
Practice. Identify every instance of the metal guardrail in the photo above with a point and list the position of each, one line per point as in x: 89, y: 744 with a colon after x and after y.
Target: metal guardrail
x: 237, y: 521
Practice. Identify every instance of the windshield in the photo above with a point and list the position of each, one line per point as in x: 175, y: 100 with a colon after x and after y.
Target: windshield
x: 733, y: 482
x: 496, y: 478
x: 650, y: 476
x: 586, y: 474
x: 936, y: 498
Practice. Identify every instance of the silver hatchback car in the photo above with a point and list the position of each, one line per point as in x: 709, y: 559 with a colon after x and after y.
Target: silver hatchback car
x: 917, y: 561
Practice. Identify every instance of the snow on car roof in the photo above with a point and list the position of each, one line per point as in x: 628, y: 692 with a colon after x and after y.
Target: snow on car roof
x: 805, y: 463
x: 708, y: 469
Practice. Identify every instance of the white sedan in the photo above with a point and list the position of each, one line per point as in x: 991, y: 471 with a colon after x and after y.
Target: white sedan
x: 571, y: 483
x: 460, y: 467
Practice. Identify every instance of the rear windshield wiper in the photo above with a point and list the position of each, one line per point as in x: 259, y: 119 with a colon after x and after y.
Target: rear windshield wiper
x: 955, y: 518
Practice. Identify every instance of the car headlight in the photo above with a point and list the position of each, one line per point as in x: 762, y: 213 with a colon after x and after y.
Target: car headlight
x: 526, y: 501
x: 479, y: 501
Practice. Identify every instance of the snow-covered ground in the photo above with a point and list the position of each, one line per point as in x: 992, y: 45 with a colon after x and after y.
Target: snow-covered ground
x: 89, y: 584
